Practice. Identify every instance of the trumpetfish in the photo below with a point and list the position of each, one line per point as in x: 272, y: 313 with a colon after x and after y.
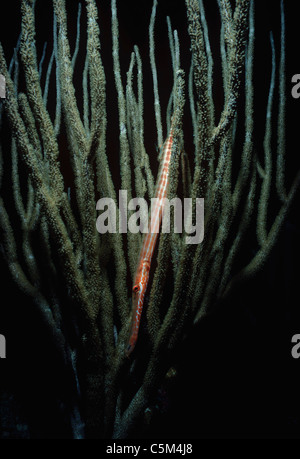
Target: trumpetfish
x: 143, y: 269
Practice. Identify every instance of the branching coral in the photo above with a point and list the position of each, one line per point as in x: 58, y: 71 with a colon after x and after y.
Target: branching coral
x: 60, y: 211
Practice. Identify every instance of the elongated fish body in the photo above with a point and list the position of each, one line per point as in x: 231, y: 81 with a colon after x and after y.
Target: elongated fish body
x: 143, y: 270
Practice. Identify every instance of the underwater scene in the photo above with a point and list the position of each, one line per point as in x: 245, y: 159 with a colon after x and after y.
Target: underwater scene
x: 149, y: 220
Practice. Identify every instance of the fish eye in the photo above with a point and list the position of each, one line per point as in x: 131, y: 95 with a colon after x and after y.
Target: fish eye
x: 135, y: 289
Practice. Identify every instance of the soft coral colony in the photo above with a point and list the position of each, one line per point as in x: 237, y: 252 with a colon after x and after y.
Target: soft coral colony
x: 116, y: 389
